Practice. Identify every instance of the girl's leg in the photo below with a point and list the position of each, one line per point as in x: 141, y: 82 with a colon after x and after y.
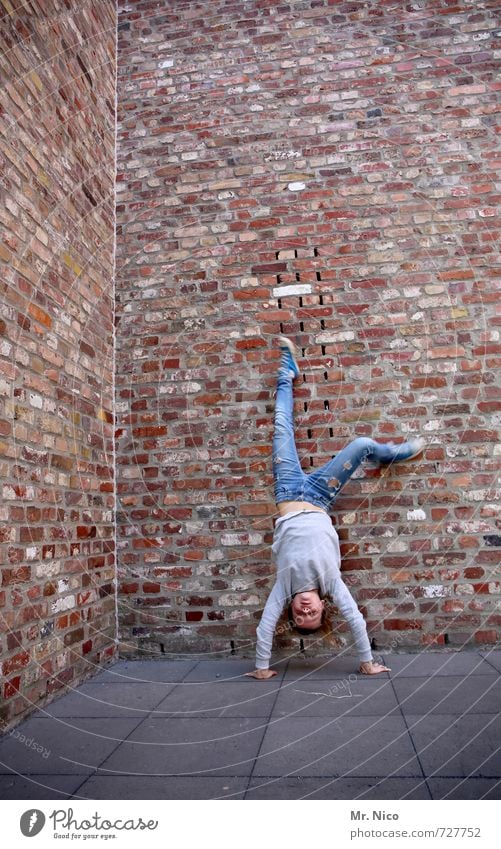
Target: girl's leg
x: 287, y: 473
x: 330, y: 478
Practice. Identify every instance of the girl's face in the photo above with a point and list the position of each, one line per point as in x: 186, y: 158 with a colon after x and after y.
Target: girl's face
x: 307, y: 609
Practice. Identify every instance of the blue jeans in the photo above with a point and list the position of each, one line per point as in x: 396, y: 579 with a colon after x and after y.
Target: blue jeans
x: 322, y: 486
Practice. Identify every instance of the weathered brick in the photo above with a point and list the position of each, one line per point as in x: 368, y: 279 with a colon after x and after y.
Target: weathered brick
x: 11, y: 688
x: 403, y: 624
x: 56, y: 310
x: 226, y: 237
x: 22, y: 574
x: 18, y: 661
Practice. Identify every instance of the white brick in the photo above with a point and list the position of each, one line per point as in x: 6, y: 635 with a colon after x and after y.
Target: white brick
x: 326, y: 338
x: 416, y: 515
x: 299, y: 289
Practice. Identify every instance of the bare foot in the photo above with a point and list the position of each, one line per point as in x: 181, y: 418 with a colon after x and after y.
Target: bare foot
x: 370, y: 667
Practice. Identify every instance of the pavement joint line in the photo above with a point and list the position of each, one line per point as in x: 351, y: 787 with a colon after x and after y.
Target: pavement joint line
x: 410, y: 727
x: 457, y: 751
x: 265, y: 728
x: 325, y: 725
x: 409, y: 735
x: 115, y: 748
x: 450, y: 784
x: 491, y: 664
x: 469, y: 778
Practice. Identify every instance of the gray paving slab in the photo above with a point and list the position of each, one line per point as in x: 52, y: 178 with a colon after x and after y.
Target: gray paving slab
x: 148, y: 787
x: 449, y: 694
x: 428, y: 663
x: 39, y: 786
x: 465, y: 788
x: 193, y: 746
x: 228, y: 671
x: 328, y: 667
x: 105, y: 699
x: 59, y: 745
x: 337, y: 697
x: 300, y: 787
x: 314, y: 746
x: 448, y: 745
x: 493, y: 658
x: 190, y: 729
x: 245, y: 697
x: 146, y: 671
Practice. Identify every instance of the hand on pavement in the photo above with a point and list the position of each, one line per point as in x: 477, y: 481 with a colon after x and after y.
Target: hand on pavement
x: 262, y: 674
x: 370, y: 667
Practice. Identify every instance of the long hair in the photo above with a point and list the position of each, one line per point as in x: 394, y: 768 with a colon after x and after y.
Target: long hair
x: 323, y: 630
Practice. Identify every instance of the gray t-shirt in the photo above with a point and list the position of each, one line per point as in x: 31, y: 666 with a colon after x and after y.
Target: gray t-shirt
x: 306, y: 552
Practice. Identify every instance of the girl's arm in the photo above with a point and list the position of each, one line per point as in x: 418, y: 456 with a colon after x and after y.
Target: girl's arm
x: 265, y: 630
x: 347, y: 607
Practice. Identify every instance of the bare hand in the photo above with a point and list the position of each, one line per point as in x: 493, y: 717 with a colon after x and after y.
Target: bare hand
x: 262, y: 674
x: 370, y: 667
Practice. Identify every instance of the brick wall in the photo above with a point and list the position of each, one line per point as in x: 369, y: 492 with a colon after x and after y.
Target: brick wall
x: 325, y: 169
x: 57, y: 610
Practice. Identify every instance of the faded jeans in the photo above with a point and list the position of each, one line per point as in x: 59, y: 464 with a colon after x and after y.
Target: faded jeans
x: 322, y: 486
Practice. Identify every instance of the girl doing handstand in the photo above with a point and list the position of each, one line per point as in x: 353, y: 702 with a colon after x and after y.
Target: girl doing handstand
x: 305, y: 544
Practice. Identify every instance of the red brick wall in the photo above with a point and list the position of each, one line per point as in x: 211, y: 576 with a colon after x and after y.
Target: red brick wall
x: 325, y: 169
x: 57, y: 611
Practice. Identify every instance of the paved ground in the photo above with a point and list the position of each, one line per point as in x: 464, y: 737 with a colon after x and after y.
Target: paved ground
x: 200, y: 730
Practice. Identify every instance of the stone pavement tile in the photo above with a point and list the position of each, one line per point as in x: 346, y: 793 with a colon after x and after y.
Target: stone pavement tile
x: 228, y: 670
x: 314, y: 746
x: 165, y: 787
x: 39, y: 786
x: 299, y: 787
x: 493, y: 658
x: 245, y: 697
x: 338, y: 697
x: 450, y: 694
x: 457, y: 746
x: 328, y: 667
x: 145, y: 671
x: 428, y: 663
x: 51, y: 746
x: 96, y: 699
x: 465, y: 788
x: 198, y: 746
